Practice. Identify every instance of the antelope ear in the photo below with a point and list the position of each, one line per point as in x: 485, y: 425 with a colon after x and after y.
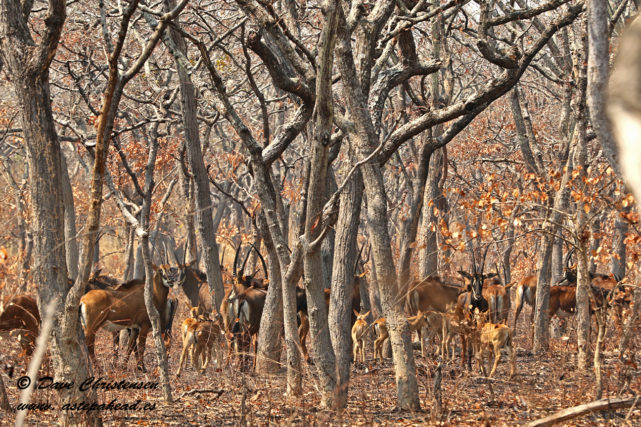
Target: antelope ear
x: 356, y: 313
x: 365, y: 315
x: 490, y: 275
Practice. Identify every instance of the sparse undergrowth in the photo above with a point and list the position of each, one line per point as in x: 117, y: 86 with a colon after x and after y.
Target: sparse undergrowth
x: 543, y: 385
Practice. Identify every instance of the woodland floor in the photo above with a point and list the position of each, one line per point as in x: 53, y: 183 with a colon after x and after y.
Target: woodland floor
x: 543, y: 385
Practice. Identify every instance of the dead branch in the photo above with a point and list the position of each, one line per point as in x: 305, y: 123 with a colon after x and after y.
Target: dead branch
x: 577, y: 411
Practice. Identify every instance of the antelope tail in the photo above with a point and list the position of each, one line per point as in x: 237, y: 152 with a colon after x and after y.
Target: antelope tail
x: 82, y: 313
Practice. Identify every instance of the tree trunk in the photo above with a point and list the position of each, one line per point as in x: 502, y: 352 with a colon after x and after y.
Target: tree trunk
x: 187, y: 189
x: 4, y: 400
x: 271, y: 322
x: 71, y: 240
x: 429, y: 259
x: 340, y: 306
x: 323, y: 353
x: 618, y: 246
x: 207, y: 234
x: 598, y: 65
x: 582, y: 299
x: 28, y: 66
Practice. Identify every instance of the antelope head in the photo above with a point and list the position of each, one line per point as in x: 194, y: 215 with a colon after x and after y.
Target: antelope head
x: 476, y: 279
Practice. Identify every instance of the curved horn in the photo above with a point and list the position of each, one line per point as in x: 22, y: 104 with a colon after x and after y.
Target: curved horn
x: 165, y: 249
x: 473, y: 260
x: 236, y: 261
x: 222, y: 256
x: 568, y: 256
x: 358, y: 258
x: 262, y: 260
x: 487, y: 248
x: 242, y: 267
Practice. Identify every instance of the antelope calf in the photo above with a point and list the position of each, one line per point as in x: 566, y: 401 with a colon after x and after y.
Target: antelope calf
x: 206, y: 336
x: 418, y: 323
x: 438, y: 325
x: 199, y: 336
x: 358, y: 335
x: 493, y: 338
x: 382, y: 334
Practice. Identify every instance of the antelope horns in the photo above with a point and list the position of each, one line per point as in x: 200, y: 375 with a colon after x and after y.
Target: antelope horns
x: 262, y: 260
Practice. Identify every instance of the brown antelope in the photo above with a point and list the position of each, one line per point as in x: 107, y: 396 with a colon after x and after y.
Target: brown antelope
x: 382, y: 334
x: 438, y: 325
x: 493, y: 337
x: 196, y: 288
x: 245, y: 296
x: 431, y: 293
x: 206, y: 336
x: 498, y: 300
x: 124, y: 307
x: 525, y: 293
x: 200, y: 334
x: 248, y: 306
x: 187, y: 328
x: 358, y: 335
x: 20, y: 313
x: 418, y: 323
x: 301, y: 308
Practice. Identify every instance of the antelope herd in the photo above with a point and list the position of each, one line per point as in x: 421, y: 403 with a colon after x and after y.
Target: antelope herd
x: 436, y: 309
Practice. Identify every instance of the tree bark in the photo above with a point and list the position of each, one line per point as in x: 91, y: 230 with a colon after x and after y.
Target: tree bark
x: 28, y: 65
x: 271, y: 322
x: 71, y: 239
x: 207, y: 234
x: 598, y: 65
x: 323, y: 353
x: 340, y: 305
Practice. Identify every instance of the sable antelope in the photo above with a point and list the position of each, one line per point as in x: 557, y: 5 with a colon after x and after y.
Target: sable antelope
x: 358, y: 335
x: 20, y: 313
x: 124, y: 307
x: 525, y: 293
x: 199, y: 336
x: 438, y: 325
x: 382, y: 334
x: 498, y: 300
x: 242, y: 308
x: 98, y: 281
x: 494, y: 337
x: 301, y: 308
x: 431, y: 293
x: 475, y: 283
x: 462, y: 322
x: 248, y: 306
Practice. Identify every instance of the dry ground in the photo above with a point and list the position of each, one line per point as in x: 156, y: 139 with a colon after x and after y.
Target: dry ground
x: 544, y: 384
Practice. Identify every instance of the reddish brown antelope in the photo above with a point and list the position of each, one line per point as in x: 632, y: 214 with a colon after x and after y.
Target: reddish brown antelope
x: 20, y: 314
x: 124, y: 307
